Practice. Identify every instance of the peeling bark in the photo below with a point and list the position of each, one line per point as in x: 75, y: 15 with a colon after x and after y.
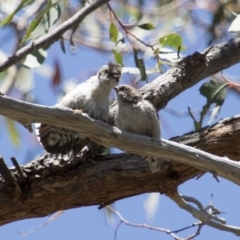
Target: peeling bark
x: 53, y: 185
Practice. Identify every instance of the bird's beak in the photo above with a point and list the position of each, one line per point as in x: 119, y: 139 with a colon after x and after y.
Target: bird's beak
x: 116, y: 89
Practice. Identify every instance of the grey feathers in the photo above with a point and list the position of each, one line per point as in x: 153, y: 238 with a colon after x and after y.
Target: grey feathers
x: 91, y: 97
x: 137, y: 115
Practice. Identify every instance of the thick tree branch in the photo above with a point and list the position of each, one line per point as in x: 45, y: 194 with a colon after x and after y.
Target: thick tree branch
x: 67, y: 185
x: 113, y: 137
x: 53, y: 35
x: 80, y: 183
x: 188, y: 72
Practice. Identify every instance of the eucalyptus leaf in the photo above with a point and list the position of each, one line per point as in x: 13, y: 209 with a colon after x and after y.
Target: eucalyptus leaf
x: 113, y: 33
x: 8, y: 19
x: 13, y: 133
x: 43, y: 22
x: 140, y: 65
x: 146, y: 26
x: 173, y: 40
x: 215, y: 92
x: 118, y: 57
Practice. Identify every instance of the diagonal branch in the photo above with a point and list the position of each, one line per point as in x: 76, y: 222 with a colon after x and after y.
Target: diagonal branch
x: 188, y: 72
x: 53, y: 35
x: 203, y: 215
x: 79, y: 183
x: 113, y: 137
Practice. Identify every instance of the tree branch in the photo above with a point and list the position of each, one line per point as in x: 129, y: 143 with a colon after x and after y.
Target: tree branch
x: 53, y: 35
x: 202, y: 214
x: 112, y: 137
x: 82, y: 183
x: 188, y: 72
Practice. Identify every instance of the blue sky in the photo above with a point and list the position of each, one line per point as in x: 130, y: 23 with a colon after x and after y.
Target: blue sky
x: 89, y: 222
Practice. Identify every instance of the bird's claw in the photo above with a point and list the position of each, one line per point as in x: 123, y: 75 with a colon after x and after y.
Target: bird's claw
x: 78, y: 111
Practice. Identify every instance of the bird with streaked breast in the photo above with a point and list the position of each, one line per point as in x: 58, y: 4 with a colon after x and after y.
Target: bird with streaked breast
x: 137, y: 115
x: 91, y: 97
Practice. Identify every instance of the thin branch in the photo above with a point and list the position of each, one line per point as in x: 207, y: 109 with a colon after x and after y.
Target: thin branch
x: 22, y: 176
x: 10, y: 183
x: 116, y: 230
x: 50, y: 219
x: 132, y: 35
x: 196, y: 233
x: 52, y: 36
x: 185, y: 228
x: 6, y: 174
x: 123, y: 220
x: 203, y: 215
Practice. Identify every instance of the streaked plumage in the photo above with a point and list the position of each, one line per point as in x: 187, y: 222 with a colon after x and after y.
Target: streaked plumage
x: 92, y: 97
x: 137, y: 115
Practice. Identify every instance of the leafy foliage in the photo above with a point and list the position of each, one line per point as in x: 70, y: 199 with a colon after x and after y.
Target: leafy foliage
x: 146, y: 26
x: 215, y: 93
x: 44, y: 16
x: 140, y: 65
x: 13, y: 133
x: 113, y: 32
x: 8, y: 19
x: 172, y: 40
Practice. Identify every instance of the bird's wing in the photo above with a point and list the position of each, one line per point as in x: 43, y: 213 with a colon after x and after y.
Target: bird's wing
x: 61, y: 141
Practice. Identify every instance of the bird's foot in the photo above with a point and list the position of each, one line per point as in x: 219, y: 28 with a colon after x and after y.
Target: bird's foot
x: 78, y: 111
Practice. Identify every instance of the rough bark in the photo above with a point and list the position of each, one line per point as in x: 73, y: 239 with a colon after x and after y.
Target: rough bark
x: 188, y: 72
x: 48, y: 185
x: 51, y: 185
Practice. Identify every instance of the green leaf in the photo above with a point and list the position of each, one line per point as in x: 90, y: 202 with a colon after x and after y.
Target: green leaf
x: 146, y: 26
x: 30, y: 29
x: 3, y: 75
x: 215, y: 92
x: 113, y: 32
x: 8, y: 19
x: 118, y: 57
x: 48, y: 11
x: 140, y: 65
x: 13, y: 133
x: 35, y: 59
x: 172, y: 40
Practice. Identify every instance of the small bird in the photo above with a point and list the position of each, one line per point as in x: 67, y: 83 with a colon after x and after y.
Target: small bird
x: 137, y: 115
x: 91, y: 97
